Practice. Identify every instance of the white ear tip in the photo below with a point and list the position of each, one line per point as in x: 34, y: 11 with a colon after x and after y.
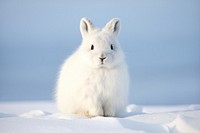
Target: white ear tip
x: 86, y: 26
x: 116, y: 24
x: 85, y: 19
x: 116, y: 19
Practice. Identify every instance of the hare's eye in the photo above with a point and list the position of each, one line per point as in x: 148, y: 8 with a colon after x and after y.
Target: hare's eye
x: 111, y: 47
x: 92, y: 47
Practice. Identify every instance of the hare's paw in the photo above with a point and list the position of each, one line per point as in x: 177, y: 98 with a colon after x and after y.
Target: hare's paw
x: 95, y: 112
x: 109, y: 112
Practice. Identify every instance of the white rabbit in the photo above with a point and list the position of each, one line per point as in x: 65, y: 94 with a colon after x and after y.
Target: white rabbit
x: 94, y: 80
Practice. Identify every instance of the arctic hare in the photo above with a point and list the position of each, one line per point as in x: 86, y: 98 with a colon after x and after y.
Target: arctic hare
x: 94, y: 80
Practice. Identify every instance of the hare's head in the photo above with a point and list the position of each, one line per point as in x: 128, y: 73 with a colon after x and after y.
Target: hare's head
x: 100, y: 47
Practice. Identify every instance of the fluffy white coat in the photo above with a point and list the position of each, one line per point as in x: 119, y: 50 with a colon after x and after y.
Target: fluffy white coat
x: 94, y: 80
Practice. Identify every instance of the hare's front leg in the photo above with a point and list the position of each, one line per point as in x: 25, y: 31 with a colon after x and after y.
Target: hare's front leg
x: 109, y: 110
x: 93, y: 108
x: 95, y: 111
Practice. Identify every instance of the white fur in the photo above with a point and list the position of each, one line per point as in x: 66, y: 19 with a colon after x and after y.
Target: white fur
x: 91, y: 87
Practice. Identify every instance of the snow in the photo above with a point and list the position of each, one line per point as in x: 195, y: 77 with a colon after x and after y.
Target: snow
x: 40, y: 117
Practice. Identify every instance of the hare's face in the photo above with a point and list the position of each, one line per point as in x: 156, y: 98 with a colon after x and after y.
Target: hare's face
x: 100, y: 47
x: 101, y: 50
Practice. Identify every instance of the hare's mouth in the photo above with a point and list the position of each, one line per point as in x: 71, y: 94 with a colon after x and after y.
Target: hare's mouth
x: 102, y: 60
x: 102, y: 65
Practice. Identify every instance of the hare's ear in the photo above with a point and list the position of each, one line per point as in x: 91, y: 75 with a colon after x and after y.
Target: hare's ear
x: 113, y: 26
x: 86, y: 26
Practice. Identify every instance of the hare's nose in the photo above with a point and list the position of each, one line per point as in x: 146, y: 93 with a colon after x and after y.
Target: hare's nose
x: 102, y: 58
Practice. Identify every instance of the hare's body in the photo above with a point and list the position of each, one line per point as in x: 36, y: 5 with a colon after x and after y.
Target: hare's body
x: 94, y: 80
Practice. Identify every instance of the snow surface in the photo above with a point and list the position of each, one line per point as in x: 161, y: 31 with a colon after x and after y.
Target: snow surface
x: 41, y: 117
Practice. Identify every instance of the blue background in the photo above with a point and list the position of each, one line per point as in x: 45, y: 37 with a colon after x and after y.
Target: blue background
x: 161, y: 40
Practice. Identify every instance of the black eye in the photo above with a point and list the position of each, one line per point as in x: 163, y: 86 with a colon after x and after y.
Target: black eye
x: 111, y: 47
x: 92, y: 47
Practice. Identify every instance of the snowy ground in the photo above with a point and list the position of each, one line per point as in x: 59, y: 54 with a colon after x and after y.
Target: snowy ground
x: 41, y: 117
